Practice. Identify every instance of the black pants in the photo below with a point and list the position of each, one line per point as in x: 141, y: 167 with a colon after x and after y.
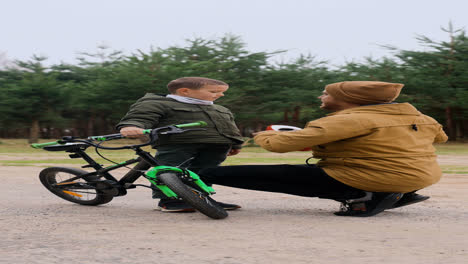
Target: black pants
x: 204, y: 156
x: 302, y: 180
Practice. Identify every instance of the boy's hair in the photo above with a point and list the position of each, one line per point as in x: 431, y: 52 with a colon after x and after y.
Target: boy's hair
x: 192, y: 83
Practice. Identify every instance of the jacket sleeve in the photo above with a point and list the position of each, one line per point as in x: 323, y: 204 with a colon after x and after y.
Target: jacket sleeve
x: 441, y: 137
x: 235, y: 131
x: 315, y: 133
x: 143, y: 114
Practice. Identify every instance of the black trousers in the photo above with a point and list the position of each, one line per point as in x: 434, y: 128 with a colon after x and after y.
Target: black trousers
x: 204, y: 156
x: 302, y: 180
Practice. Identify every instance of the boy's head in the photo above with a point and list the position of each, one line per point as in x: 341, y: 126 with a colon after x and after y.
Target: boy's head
x: 198, y: 88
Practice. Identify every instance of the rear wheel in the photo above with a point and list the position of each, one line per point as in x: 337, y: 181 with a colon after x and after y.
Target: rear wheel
x: 199, y: 200
x: 56, y: 180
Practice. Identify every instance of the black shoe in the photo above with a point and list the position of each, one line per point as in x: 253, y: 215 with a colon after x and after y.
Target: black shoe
x: 410, y: 198
x: 227, y: 206
x: 174, y: 205
x: 377, y: 204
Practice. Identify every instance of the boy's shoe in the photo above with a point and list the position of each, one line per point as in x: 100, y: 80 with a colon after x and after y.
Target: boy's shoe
x: 229, y: 207
x: 410, y: 198
x: 174, y: 205
x: 377, y: 204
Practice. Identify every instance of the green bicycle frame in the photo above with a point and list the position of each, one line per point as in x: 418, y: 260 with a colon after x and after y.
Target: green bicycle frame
x: 153, y: 173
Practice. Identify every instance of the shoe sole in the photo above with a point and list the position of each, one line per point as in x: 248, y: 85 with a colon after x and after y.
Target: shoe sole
x: 187, y: 210
x: 190, y: 209
x: 386, y: 203
x: 232, y: 208
x: 410, y: 202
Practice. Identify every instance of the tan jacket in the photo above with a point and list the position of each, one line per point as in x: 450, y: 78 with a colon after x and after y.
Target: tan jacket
x: 383, y: 148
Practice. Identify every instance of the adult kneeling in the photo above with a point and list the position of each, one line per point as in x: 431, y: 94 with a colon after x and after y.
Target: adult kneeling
x: 373, y: 153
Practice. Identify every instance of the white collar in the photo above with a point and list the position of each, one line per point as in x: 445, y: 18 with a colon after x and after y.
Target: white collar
x: 189, y: 100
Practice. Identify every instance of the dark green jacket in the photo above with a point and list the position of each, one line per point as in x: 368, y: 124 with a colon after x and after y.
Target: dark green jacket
x: 152, y: 111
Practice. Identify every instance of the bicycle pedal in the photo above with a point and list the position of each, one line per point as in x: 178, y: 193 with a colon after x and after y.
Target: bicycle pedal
x: 74, y: 156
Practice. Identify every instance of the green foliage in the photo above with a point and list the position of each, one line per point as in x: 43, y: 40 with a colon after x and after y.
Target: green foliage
x: 30, y: 93
x: 93, y: 95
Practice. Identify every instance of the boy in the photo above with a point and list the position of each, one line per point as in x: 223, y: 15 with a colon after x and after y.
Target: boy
x: 190, y: 100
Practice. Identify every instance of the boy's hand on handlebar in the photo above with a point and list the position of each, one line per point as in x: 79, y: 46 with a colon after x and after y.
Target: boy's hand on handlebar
x: 132, y: 132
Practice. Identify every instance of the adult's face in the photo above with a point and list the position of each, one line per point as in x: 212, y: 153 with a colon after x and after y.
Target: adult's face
x: 333, y: 104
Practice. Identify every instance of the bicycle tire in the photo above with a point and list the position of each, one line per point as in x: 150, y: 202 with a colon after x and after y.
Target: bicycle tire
x: 200, y: 201
x: 91, y: 196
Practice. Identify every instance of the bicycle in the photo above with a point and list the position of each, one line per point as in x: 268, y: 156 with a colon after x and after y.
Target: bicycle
x: 100, y: 187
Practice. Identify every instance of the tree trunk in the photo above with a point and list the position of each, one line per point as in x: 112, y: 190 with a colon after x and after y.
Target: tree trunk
x: 296, y: 114
x: 286, y: 115
x: 459, y: 130
x: 90, y: 126
x: 449, y: 123
x: 258, y: 126
x: 34, y: 131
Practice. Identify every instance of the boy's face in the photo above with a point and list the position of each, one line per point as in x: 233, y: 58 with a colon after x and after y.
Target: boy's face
x: 207, y: 92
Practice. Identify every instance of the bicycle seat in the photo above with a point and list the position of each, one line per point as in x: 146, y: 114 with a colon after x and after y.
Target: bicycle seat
x: 66, y: 147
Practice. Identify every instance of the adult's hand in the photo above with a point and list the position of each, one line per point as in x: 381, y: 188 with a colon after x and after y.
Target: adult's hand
x: 256, y: 133
x: 233, y: 152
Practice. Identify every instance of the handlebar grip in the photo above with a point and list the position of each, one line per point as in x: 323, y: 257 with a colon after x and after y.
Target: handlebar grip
x: 106, y: 137
x: 41, y: 145
x: 195, y: 124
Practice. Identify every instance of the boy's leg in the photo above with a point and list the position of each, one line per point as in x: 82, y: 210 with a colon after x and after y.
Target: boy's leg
x: 204, y: 155
x: 208, y: 156
x: 173, y: 155
x: 212, y: 155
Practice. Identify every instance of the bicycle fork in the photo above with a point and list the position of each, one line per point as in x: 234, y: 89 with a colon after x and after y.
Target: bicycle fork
x: 184, y: 174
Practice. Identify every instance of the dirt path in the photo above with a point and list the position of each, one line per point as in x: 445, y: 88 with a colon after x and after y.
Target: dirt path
x: 37, y: 227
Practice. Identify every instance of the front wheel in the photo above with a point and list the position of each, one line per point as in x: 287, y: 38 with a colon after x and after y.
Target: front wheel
x: 199, y: 200
x: 56, y: 180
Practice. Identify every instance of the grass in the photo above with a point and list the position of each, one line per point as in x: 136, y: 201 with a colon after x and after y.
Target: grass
x: 452, y: 149
x: 454, y: 169
x: 17, y: 152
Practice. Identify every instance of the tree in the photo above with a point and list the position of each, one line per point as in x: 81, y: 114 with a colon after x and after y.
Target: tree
x: 32, y: 97
x: 437, y: 78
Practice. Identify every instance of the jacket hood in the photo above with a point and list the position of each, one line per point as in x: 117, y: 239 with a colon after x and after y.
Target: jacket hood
x: 388, y: 109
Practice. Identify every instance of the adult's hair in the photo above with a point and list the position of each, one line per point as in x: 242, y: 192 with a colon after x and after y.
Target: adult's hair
x: 192, y: 83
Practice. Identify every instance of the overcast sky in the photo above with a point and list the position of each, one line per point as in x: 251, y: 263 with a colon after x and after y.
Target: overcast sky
x: 334, y: 30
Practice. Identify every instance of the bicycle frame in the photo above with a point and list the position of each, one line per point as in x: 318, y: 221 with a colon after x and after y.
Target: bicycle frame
x: 145, y: 162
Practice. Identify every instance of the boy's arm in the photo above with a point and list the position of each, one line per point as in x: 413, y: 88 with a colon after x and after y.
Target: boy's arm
x: 236, y: 132
x: 145, y: 115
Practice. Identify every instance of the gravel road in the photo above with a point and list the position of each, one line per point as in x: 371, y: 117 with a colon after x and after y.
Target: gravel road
x: 37, y: 227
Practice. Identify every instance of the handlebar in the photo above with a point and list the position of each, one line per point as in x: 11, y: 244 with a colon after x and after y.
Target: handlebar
x: 194, y: 124
x: 41, y: 145
x: 173, y: 129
